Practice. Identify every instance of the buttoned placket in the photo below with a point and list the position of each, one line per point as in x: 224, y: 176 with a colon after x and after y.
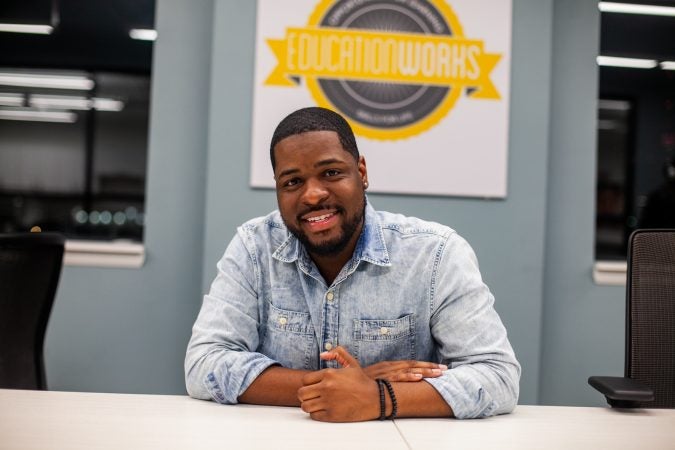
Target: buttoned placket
x: 331, y: 321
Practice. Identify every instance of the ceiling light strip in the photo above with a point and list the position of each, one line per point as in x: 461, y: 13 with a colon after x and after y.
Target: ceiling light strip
x: 631, y: 8
x: 633, y: 63
x: 667, y: 65
x: 76, y: 103
x: 46, y: 81
x: 38, y: 116
x: 143, y: 34
x: 80, y: 103
x: 615, y: 105
x: 22, y: 28
x: 11, y: 99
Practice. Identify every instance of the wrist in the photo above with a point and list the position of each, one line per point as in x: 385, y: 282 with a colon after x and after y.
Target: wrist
x: 387, y: 400
x: 388, y: 407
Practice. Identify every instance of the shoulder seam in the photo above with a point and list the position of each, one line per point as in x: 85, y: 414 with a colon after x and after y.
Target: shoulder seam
x: 441, y: 231
x: 247, y: 241
x: 434, y: 272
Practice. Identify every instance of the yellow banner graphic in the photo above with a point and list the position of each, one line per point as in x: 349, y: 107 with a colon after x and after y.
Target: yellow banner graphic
x: 338, y: 53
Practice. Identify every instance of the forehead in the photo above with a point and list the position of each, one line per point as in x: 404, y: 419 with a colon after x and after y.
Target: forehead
x: 307, y: 148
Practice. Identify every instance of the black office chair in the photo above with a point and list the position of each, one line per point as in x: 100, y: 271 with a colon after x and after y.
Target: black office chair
x: 649, y: 375
x: 30, y: 267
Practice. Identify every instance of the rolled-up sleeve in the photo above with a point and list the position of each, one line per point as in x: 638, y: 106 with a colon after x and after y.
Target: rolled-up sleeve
x: 483, y: 376
x: 221, y: 361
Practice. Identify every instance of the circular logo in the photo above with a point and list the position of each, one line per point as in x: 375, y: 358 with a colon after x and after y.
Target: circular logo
x: 385, y: 110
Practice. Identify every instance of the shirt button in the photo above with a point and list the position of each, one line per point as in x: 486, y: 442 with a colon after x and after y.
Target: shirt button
x: 330, y: 297
x: 328, y: 346
x: 283, y: 320
x: 384, y: 330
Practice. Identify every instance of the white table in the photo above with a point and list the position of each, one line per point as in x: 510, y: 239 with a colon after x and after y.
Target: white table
x: 72, y: 420
x: 547, y: 427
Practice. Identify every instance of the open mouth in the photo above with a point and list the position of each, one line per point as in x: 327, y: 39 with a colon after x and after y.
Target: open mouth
x: 320, y: 220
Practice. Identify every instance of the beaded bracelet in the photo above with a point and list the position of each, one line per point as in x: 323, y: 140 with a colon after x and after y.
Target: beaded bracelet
x: 394, y: 405
x: 383, y: 405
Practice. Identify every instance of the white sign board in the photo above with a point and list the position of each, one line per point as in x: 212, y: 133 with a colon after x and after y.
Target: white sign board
x: 423, y: 83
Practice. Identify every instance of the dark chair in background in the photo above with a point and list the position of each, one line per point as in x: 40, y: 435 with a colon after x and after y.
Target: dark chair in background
x: 30, y: 267
x: 649, y: 375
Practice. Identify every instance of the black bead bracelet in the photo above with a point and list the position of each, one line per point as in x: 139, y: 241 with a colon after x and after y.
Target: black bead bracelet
x: 381, y: 384
x: 394, y: 405
x: 383, y: 405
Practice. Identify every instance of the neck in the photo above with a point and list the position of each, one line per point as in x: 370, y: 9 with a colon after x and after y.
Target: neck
x: 330, y: 265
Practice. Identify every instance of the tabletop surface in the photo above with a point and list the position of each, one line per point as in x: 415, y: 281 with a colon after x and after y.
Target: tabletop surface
x: 75, y: 420
x: 548, y: 427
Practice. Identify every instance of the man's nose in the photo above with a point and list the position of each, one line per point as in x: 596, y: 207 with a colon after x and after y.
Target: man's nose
x: 315, y: 192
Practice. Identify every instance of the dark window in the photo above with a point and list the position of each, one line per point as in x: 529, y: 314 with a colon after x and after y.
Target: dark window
x: 74, y: 113
x: 636, y: 128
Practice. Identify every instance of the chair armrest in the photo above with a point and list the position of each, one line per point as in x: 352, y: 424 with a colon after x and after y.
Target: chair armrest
x: 622, y: 392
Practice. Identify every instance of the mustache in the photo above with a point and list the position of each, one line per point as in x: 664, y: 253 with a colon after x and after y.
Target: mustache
x: 318, y: 208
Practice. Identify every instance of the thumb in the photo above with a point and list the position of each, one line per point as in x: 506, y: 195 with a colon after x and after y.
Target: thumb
x: 341, y: 355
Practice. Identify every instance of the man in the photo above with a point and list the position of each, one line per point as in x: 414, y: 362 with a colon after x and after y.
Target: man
x: 381, y: 296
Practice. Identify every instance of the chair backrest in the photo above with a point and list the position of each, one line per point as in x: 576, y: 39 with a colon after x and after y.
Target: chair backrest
x: 650, y: 314
x: 30, y: 267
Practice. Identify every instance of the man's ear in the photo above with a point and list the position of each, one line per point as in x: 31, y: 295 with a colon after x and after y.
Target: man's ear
x: 363, y: 171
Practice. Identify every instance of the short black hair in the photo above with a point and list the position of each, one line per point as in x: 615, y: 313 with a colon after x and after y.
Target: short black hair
x: 315, y: 119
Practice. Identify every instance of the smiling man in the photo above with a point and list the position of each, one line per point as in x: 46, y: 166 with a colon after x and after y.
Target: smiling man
x: 351, y: 313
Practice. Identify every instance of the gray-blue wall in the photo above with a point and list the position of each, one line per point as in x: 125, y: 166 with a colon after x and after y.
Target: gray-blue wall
x: 119, y: 330
x: 583, y: 331
x: 125, y: 330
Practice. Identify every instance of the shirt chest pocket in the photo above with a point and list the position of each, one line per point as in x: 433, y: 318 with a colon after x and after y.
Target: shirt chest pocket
x: 288, y: 338
x: 376, y: 340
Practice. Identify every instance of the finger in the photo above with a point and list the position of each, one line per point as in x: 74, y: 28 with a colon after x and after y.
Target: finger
x: 313, y: 377
x: 341, y: 355
x: 406, y: 376
x: 308, y: 393
x: 312, y: 406
x: 426, y: 373
x: 328, y: 356
x: 389, y: 367
x: 336, y: 355
x: 412, y: 364
x: 320, y: 415
x: 413, y: 374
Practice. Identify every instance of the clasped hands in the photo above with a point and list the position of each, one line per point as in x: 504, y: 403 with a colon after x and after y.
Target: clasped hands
x: 350, y: 394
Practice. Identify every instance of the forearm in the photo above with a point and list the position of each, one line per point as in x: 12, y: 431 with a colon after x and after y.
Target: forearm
x: 417, y: 399
x: 276, y: 386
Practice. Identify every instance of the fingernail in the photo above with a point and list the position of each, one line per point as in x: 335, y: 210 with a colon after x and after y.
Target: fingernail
x: 442, y: 367
x: 417, y: 375
x: 436, y: 371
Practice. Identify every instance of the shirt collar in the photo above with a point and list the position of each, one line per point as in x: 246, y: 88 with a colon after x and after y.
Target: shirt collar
x: 370, y: 246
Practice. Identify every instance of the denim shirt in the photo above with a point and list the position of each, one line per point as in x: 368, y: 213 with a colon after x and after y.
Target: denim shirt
x: 412, y: 290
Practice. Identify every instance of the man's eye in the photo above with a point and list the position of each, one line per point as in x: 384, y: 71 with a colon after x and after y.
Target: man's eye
x: 332, y: 172
x: 292, y: 182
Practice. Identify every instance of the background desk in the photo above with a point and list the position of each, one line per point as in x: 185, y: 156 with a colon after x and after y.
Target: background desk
x: 72, y: 420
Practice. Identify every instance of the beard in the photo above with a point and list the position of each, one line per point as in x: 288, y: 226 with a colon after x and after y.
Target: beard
x: 336, y: 245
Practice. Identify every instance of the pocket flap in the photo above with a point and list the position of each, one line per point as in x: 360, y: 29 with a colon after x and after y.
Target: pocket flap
x: 384, y: 329
x: 291, y: 321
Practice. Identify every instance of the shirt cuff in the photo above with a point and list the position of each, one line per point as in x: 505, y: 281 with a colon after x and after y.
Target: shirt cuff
x: 235, y: 374
x: 465, y: 395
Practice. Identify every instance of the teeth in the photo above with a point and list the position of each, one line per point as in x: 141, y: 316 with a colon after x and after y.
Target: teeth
x: 319, y: 218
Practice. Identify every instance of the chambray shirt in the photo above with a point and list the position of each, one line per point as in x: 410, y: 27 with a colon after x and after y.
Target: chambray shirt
x: 412, y: 290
